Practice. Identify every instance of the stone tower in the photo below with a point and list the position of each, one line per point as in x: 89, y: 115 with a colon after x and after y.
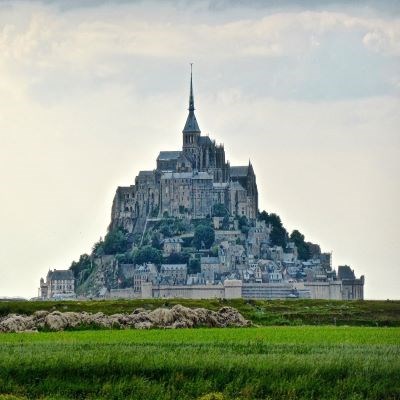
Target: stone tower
x: 191, y: 132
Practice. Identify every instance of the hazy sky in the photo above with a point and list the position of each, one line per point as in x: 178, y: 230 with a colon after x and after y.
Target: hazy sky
x: 90, y: 91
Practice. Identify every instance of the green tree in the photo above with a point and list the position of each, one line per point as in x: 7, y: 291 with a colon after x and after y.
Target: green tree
x: 98, y: 248
x: 219, y: 210
x: 77, y: 267
x: 177, y: 258
x: 214, y: 251
x: 303, y: 249
x: 244, y: 224
x: 314, y: 249
x: 126, y: 258
x: 156, y: 240
x: 204, y: 236
x: 115, y: 241
x: 147, y: 254
x: 279, y: 235
x: 194, y: 266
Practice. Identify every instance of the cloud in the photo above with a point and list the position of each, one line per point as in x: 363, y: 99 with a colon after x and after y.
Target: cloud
x: 80, y: 36
x: 61, y: 53
x: 385, y: 41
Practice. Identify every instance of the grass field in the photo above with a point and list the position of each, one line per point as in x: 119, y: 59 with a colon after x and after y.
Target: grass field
x: 306, y: 362
x: 261, y: 312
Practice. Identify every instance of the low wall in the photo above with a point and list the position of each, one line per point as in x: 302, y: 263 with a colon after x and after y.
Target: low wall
x: 266, y: 290
x: 122, y: 294
x: 231, y: 289
x: 189, y: 292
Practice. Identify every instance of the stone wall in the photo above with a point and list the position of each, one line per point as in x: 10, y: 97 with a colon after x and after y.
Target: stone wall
x: 337, y: 290
x: 189, y: 292
x: 266, y: 290
x: 325, y: 290
x: 128, y: 293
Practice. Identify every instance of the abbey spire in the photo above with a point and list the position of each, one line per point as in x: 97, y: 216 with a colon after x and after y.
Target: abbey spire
x: 191, y: 125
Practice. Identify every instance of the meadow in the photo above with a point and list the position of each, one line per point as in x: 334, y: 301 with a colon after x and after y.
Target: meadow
x: 295, y: 362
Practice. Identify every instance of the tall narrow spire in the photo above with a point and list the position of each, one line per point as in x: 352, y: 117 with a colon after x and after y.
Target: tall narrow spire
x: 191, y: 122
x: 191, y: 98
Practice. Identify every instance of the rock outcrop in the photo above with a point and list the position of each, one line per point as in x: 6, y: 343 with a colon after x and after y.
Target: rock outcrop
x: 175, y: 317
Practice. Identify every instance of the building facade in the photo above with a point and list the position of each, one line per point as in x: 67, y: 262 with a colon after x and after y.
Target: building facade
x: 58, y: 284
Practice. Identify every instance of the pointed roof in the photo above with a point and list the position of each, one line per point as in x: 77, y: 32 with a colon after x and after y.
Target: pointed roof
x: 191, y: 125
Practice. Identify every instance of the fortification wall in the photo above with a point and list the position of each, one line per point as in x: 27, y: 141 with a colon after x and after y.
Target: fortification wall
x: 325, y: 290
x: 127, y: 293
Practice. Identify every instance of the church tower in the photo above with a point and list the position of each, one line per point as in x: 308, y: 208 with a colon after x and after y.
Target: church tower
x: 191, y: 131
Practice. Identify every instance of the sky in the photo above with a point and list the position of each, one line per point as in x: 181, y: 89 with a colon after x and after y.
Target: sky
x: 91, y: 91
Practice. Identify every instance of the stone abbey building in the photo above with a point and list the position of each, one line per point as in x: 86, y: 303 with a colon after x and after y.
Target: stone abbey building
x: 187, y: 183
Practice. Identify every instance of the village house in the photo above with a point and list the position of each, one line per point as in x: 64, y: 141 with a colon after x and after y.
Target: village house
x: 59, y: 284
x: 172, y: 245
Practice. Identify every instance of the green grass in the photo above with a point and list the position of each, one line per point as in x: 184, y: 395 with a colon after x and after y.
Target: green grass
x: 261, y: 312
x: 244, y: 363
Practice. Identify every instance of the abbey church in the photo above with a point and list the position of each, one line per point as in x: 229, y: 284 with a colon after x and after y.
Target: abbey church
x: 187, y: 183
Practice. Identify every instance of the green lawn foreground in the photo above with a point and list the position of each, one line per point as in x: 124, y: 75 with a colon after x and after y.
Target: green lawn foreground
x: 306, y: 362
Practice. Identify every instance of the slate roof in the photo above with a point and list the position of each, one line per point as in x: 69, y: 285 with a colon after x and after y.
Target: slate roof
x: 205, y: 140
x: 202, y: 175
x: 209, y: 260
x: 186, y: 175
x: 60, y: 275
x: 146, y: 173
x: 236, y: 185
x: 220, y: 185
x: 125, y: 189
x: 177, y: 175
x: 240, y: 171
x: 191, y: 124
x: 168, y: 155
x: 172, y: 240
x: 188, y: 156
x: 173, y: 267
